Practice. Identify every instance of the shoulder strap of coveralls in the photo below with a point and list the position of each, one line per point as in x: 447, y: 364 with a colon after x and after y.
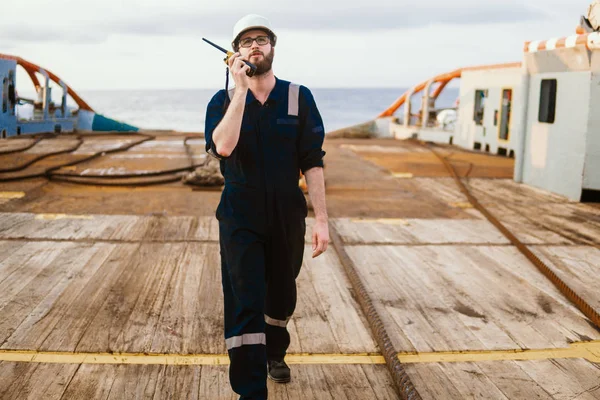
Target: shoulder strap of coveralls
x: 293, y: 96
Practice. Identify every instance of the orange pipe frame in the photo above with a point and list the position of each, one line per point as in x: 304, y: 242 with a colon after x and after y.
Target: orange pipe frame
x: 443, y: 79
x: 440, y: 89
x: 34, y: 79
x: 31, y: 68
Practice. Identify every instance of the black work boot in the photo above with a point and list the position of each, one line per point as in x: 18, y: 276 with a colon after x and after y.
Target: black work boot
x: 278, y: 371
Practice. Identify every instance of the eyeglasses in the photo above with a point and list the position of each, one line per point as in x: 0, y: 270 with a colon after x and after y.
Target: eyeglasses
x: 260, y: 40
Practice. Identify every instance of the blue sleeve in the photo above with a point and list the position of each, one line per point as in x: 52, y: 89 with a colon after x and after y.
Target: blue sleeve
x: 312, y: 132
x: 214, y: 114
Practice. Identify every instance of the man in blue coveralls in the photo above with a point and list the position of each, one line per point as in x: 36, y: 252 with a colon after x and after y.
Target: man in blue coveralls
x: 263, y: 132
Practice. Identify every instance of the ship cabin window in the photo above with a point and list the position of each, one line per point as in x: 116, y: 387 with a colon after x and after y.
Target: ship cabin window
x: 480, y: 96
x: 547, y: 101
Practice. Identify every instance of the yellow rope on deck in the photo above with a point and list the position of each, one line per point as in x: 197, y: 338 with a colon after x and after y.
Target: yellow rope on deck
x: 585, y: 350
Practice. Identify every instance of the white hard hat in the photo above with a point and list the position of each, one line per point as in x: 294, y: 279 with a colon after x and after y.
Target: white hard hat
x: 252, y: 21
x: 593, y: 15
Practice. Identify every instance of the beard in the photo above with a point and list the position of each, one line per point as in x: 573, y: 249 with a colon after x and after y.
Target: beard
x: 263, y: 66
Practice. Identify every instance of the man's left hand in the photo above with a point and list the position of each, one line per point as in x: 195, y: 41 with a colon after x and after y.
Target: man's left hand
x: 320, y: 238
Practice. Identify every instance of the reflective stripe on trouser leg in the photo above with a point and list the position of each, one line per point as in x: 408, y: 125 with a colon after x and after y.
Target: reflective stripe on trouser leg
x: 279, y: 337
x: 276, y: 322
x: 244, y: 287
x: 246, y: 339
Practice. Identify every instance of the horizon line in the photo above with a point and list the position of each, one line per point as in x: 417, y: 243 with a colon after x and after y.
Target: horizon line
x: 219, y: 88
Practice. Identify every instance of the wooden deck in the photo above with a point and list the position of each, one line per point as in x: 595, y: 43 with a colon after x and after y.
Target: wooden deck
x: 135, y: 271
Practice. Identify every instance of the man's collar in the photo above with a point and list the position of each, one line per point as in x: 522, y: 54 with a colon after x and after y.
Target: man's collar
x: 250, y: 97
x: 278, y: 91
x: 276, y: 94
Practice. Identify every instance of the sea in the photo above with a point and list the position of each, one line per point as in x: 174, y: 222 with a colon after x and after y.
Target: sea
x: 184, y: 109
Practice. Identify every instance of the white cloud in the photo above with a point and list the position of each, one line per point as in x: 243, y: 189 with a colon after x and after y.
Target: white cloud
x: 155, y: 44
x: 75, y: 25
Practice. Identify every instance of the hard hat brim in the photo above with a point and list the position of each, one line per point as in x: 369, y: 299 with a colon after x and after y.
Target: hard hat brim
x: 259, y: 27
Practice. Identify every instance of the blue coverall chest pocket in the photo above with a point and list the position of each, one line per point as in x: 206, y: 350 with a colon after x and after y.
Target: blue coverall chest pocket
x: 287, y: 128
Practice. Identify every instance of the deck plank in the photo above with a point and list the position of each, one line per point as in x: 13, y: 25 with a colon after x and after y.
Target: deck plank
x: 332, y: 287
x: 297, y: 389
x: 203, y: 301
x: 360, y: 387
x: 448, y: 298
x: 111, y: 316
x: 418, y: 310
x: 14, y: 262
x: 566, y: 378
x: 381, y: 381
x: 139, y: 330
x: 205, y: 229
x: 112, y: 382
x: 48, y: 283
x: 118, y: 270
x: 34, y: 381
x: 509, y: 191
x: 519, y: 380
x: 68, y: 305
x: 163, y: 297
x: 135, y: 382
x: 16, y: 272
x: 315, y: 334
x: 120, y: 228
x: 577, y: 266
x: 75, y: 227
x: 526, y: 209
x: 178, y: 312
x: 12, y: 222
x: 418, y: 231
x: 453, y: 382
x: 511, y: 379
x: 431, y: 382
x: 176, y: 382
x: 214, y: 383
x: 92, y: 381
x: 9, y: 247
x: 108, y: 227
x: 523, y: 311
x: 444, y: 189
x: 164, y: 228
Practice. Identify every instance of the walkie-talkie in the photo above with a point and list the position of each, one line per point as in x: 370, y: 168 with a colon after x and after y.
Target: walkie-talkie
x: 229, y: 54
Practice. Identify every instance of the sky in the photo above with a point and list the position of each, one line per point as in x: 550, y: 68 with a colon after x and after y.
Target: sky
x: 152, y: 44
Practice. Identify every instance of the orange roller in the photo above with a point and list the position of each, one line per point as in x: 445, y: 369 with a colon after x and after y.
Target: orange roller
x: 31, y: 68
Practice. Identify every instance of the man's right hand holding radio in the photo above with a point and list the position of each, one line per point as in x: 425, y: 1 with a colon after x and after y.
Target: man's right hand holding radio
x: 239, y: 71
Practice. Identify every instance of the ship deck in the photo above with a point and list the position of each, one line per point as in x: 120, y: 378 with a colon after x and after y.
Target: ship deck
x: 115, y: 292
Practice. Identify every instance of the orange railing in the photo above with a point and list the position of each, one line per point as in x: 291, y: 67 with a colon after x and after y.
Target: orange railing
x: 443, y: 81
